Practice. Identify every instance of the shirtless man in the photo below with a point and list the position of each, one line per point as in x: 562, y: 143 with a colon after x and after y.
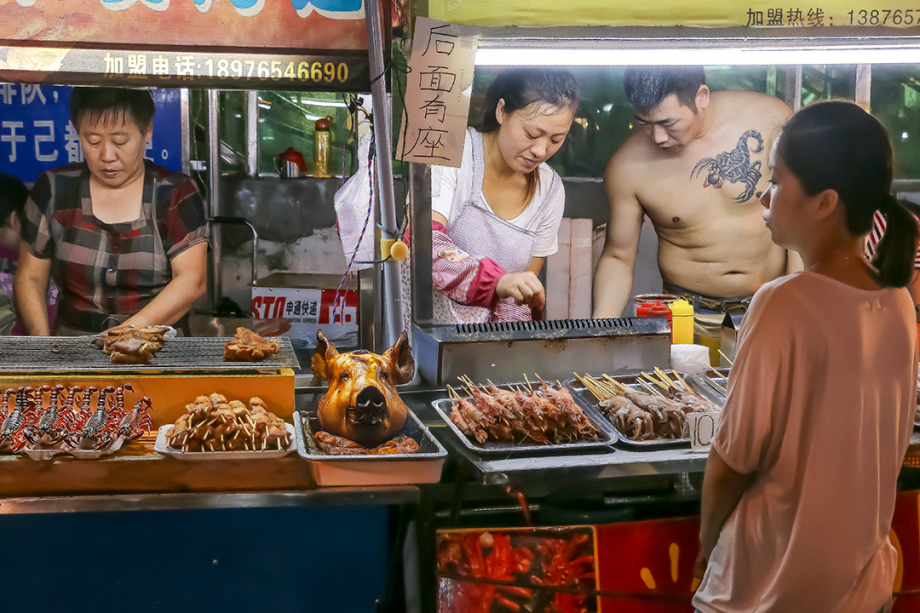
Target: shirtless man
x: 696, y: 168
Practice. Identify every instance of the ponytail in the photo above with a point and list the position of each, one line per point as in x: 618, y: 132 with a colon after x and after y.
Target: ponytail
x: 894, y: 257
x: 837, y: 145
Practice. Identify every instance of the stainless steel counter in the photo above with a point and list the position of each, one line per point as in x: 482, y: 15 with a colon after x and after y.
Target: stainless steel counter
x: 338, y: 496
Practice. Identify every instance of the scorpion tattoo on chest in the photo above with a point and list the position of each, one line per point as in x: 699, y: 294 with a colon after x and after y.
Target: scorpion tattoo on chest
x: 734, y: 166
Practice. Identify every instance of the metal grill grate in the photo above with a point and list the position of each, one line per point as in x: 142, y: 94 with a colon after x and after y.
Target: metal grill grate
x: 551, y: 324
x: 78, y: 354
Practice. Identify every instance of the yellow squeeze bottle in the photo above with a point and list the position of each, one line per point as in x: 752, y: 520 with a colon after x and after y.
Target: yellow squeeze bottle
x: 682, y: 320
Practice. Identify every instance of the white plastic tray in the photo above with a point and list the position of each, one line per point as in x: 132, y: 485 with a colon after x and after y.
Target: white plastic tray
x: 161, y: 446
x: 90, y: 454
x: 43, y: 454
x: 80, y: 454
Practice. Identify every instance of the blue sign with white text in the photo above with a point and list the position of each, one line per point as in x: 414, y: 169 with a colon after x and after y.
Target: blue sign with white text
x: 36, y: 134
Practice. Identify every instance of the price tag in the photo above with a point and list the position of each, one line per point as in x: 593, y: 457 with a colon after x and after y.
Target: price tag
x: 702, y: 428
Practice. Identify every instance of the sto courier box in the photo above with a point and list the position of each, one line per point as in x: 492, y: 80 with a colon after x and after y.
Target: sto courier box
x: 307, y: 303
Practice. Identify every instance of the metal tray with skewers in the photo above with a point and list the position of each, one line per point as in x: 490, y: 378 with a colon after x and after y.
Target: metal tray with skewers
x: 664, y: 384
x: 522, y: 445
x: 714, y: 381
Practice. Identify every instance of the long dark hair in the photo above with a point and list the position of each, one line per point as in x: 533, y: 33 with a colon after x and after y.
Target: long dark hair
x: 522, y: 87
x: 837, y: 145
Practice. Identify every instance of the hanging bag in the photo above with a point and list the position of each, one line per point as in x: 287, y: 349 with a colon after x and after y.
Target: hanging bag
x: 354, y: 211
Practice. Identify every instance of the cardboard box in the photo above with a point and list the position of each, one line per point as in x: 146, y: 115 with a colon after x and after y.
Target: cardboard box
x: 729, y: 345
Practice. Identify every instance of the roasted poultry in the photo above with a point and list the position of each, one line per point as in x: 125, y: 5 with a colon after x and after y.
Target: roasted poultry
x: 248, y: 346
x: 132, y: 344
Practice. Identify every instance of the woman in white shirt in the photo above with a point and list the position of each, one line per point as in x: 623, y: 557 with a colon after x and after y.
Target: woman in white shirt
x: 496, y: 218
x: 800, y: 484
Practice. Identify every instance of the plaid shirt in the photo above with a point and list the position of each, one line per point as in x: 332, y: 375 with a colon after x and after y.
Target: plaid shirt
x: 107, y: 269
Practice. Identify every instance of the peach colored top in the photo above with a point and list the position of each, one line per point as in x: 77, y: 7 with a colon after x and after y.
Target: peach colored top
x: 820, y: 407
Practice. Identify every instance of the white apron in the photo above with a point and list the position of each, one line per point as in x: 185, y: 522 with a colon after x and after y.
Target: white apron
x: 476, y: 229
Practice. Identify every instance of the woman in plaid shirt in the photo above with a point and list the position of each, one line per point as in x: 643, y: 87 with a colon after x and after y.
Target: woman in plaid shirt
x: 124, y: 239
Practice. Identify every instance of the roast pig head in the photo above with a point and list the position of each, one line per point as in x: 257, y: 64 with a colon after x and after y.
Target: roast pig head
x: 362, y: 403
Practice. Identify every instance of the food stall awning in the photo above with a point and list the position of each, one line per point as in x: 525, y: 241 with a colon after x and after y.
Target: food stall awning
x: 670, y: 32
x: 237, y: 44
x: 804, y: 16
x: 514, y: 46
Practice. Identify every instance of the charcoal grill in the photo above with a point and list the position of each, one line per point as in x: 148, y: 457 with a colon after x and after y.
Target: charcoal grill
x: 553, y: 349
x: 77, y: 354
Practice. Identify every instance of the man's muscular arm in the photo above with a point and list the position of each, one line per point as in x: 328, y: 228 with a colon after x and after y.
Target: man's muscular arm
x: 613, y: 277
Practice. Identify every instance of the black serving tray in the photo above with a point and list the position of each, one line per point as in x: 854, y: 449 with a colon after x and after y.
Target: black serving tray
x: 605, y: 440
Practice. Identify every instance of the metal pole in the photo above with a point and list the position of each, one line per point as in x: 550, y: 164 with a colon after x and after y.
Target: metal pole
x: 214, y: 282
x: 862, y: 88
x: 794, y: 88
x: 383, y: 136
x: 186, y: 131
x: 367, y: 316
x: 252, y: 133
x: 420, y: 196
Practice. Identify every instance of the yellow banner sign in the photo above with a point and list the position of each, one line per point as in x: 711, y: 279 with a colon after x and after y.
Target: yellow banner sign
x: 700, y: 13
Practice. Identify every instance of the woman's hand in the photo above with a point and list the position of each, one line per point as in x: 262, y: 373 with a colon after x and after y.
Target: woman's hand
x: 189, y: 283
x: 699, y: 566
x: 723, y: 487
x: 524, y: 288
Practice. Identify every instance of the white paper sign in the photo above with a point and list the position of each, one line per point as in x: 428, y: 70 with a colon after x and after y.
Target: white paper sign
x: 702, y: 428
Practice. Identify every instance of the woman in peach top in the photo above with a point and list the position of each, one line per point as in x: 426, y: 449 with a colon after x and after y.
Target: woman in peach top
x: 800, y: 485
